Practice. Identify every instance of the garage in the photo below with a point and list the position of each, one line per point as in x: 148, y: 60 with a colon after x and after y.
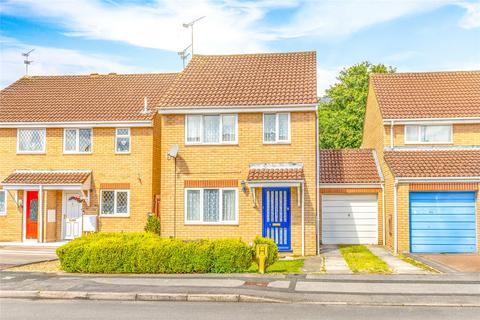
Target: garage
x: 443, y: 222
x: 350, y: 218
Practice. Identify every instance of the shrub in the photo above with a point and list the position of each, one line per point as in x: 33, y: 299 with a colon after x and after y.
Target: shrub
x: 272, y: 254
x: 153, y: 224
x: 148, y: 253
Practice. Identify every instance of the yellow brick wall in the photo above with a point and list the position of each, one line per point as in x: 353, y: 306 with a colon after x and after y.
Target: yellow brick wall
x: 232, y: 162
x: 107, y: 167
x: 463, y: 135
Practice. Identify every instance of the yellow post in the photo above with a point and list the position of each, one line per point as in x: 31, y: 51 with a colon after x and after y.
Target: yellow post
x: 262, y: 251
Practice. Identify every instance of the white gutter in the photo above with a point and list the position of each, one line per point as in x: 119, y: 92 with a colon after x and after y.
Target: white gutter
x: 77, y: 124
x: 433, y: 120
x: 439, y: 179
x: 395, y: 191
x: 236, y: 109
x: 303, y: 219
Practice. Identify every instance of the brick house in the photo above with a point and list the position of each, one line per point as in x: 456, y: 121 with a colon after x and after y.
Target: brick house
x: 425, y: 128
x: 240, y: 134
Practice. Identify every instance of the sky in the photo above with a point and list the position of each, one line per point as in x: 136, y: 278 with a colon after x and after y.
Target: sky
x: 134, y: 36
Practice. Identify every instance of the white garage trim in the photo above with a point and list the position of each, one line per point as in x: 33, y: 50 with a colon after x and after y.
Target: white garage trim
x: 350, y: 218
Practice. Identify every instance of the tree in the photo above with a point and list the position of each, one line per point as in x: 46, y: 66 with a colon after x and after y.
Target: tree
x: 342, y: 110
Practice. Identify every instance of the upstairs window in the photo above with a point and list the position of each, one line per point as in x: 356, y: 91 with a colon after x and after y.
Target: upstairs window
x: 31, y: 140
x: 77, y: 141
x: 211, y: 129
x: 276, y: 128
x: 3, y: 202
x: 122, y: 140
x: 428, y: 134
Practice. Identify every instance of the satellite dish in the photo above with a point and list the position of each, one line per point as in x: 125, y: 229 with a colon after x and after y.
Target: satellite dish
x: 172, y: 153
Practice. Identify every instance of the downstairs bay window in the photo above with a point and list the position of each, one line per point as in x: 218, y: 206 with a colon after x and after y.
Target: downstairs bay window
x: 211, y: 206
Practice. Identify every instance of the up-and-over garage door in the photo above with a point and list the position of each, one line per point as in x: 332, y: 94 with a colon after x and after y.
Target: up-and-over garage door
x: 443, y: 222
x: 349, y: 219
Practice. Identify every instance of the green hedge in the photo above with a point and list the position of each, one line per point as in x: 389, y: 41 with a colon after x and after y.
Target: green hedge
x: 149, y: 253
x: 272, y: 255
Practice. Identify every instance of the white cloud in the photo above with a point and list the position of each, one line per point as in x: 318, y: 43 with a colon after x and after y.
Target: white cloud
x: 471, y: 19
x: 53, y: 61
x: 325, y: 78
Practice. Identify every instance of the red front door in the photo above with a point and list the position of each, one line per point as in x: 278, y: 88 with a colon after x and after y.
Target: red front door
x: 32, y: 215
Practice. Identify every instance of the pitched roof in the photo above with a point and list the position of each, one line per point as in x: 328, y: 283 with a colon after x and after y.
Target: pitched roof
x: 348, y: 166
x: 47, y: 177
x: 245, y: 80
x: 82, y: 98
x: 276, y: 172
x: 434, y: 163
x: 428, y: 94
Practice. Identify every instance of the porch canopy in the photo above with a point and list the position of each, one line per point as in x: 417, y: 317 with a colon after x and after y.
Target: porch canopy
x: 48, y: 180
x: 275, y: 174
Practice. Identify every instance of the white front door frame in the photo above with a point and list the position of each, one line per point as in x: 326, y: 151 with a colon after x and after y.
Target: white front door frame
x: 64, y: 210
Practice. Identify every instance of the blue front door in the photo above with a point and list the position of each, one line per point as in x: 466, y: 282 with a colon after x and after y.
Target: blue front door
x: 276, y: 216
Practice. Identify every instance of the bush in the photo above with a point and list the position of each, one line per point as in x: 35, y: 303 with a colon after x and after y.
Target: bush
x: 272, y: 254
x: 153, y: 224
x: 148, y: 253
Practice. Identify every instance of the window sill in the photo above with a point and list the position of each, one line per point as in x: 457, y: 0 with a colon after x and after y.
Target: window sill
x: 276, y: 143
x: 31, y: 152
x: 3, y: 214
x: 77, y: 153
x: 211, y: 223
x: 210, y: 144
x: 120, y: 153
x: 429, y: 143
x: 114, y: 215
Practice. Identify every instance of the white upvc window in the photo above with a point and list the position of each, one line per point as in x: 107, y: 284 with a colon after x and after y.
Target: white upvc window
x: 211, y: 129
x: 211, y: 206
x: 3, y: 202
x: 77, y: 140
x: 115, y: 203
x: 31, y: 140
x: 276, y: 128
x: 122, y: 140
x: 428, y: 134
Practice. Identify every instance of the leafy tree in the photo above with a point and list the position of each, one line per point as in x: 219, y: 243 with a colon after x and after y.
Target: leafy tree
x: 342, y: 110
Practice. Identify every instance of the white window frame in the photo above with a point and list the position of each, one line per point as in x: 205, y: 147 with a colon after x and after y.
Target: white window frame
x: 114, y: 214
x: 32, y: 152
x: 129, y: 136
x: 220, y: 208
x: 220, y: 130
x: 277, y: 131
x: 419, y: 129
x: 77, y: 141
x: 4, y: 213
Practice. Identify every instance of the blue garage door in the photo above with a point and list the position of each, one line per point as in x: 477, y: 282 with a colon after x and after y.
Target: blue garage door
x: 442, y: 222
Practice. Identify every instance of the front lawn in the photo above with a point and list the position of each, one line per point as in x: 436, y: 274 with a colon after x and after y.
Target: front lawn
x: 360, y: 259
x: 281, y: 266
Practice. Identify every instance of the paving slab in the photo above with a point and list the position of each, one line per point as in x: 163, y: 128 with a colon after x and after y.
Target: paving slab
x: 334, y: 261
x: 397, y: 265
x: 313, y: 264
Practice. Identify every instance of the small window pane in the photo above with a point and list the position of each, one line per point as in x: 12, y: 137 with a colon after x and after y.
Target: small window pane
x: 211, y: 127
x: 283, y: 127
x: 228, y: 210
x: 229, y: 124
x: 70, y: 140
x: 108, y: 202
x: 123, y: 132
x: 122, y: 202
x: 193, y: 205
x: 123, y: 144
x: 412, y: 133
x: 437, y: 134
x: 31, y: 140
x: 194, y: 128
x: 2, y: 202
x: 85, y: 140
x: 211, y: 205
x: 269, y: 128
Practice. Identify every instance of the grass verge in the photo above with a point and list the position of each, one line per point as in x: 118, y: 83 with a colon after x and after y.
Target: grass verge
x: 416, y: 263
x: 360, y: 259
x: 46, y: 266
x: 281, y: 266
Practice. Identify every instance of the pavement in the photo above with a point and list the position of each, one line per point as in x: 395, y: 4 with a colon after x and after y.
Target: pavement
x: 13, y: 309
x: 454, y: 262
x: 387, y: 290
x: 13, y: 256
x: 333, y: 260
x: 397, y: 265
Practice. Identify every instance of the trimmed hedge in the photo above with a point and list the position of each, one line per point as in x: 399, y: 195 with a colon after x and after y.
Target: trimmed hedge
x: 272, y: 254
x: 149, y: 253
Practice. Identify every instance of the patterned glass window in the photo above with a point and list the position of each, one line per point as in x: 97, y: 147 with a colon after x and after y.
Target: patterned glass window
x: 276, y: 128
x: 115, y: 202
x: 211, y: 206
x: 31, y: 140
x: 3, y: 202
x: 211, y: 129
x: 122, y: 140
x: 77, y: 140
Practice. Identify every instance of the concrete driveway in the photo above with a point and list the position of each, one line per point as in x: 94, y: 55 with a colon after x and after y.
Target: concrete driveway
x: 17, y: 256
x: 459, y: 262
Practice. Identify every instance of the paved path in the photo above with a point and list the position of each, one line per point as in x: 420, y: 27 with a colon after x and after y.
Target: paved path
x: 466, y: 262
x: 397, y: 265
x: 15, y: 256
x: 334, y: 261
x: 78, y: 309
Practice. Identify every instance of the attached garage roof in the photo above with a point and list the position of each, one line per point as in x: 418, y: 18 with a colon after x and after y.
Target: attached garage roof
x: 428, y: 94
x: 434, y: 163
x: 348, y: 166
x: 47, y: 177
x: 276, y: 172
